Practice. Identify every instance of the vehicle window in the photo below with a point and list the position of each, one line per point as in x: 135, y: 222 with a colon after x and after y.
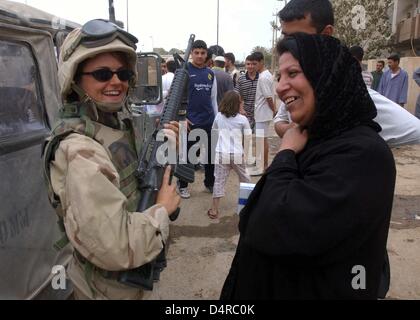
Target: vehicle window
x: 20, y: 99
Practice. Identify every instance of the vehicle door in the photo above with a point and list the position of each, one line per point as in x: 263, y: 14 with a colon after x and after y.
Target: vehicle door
x: 29, y: 104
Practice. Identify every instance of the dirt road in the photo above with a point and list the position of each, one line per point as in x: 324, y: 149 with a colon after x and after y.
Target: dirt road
x: 201, y: 250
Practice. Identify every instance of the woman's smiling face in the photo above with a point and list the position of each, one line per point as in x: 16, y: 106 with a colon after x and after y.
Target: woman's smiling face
x: 112, y: 91
x: 295, y: 90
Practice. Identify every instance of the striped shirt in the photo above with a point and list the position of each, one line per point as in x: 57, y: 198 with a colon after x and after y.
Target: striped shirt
x: 247, y: 88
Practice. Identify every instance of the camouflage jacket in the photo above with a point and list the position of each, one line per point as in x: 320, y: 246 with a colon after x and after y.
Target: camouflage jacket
x: 91, y: 176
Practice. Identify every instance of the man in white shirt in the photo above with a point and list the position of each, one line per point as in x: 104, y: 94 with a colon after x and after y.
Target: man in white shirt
x: 265, y: 111
x: 399, y: 127
x: 168, y: 77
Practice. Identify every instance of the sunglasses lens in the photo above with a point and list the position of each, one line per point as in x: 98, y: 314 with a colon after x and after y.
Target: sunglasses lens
x: 125, y: 75
x: 102, y: 75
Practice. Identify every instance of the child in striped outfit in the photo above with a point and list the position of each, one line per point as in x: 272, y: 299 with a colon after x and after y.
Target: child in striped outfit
x: 233, y: 130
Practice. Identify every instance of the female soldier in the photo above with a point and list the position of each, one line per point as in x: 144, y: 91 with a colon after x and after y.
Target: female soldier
x: 91, y: 160
x: 316, y: 225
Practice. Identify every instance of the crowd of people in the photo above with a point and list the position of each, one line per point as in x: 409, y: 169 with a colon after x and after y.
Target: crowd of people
x: 321, y: 208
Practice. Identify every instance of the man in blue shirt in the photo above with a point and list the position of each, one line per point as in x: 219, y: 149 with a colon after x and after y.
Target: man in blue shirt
x: 202, y: 109
x: 394, y: 82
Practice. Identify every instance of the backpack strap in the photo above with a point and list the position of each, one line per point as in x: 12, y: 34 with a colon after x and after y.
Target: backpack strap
x: 49, y: 149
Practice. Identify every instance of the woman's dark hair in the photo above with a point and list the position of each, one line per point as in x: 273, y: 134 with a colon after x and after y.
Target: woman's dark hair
x: 230, y: 104
x: 288, y: 44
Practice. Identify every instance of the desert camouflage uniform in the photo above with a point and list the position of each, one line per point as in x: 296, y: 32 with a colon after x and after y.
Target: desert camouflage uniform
x: 92, y: 176
x: 89, y: 164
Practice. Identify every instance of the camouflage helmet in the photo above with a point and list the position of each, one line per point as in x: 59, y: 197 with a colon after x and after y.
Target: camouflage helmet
x: 80, y: 46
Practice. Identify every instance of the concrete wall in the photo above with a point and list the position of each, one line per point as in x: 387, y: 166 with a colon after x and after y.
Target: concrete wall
x: 402, y: 10
x: 409, y: 65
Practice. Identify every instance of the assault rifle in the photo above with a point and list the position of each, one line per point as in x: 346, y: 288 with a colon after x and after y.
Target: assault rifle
x: 150, y: 171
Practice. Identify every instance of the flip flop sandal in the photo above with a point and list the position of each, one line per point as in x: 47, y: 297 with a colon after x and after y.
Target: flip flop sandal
x: 212, y: 215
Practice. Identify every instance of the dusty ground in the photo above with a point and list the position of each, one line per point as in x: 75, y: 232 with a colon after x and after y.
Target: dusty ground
x: 201, y: 250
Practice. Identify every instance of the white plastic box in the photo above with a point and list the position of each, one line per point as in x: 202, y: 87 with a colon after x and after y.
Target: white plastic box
x: 245, y: 190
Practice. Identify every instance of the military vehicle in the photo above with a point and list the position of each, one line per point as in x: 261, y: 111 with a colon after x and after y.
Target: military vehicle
x: 29, y: 102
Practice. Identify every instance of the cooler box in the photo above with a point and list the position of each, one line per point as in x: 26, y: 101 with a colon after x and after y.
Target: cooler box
x: 245, y: 190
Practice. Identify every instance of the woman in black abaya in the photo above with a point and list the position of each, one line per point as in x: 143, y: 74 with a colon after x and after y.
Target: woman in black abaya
x: 316, y: 225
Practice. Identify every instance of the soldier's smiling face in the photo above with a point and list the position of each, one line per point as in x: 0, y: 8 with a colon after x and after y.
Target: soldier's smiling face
x: 112, y: 91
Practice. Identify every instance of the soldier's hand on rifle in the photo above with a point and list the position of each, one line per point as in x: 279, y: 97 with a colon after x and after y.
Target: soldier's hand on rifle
x: 167, y: 196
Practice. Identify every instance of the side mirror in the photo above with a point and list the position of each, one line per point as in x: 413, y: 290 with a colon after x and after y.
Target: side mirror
x: 148, y: 90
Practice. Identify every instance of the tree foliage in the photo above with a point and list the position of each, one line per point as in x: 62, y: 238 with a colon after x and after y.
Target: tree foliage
x: 366, y: 23
x: 160, y: 51
x: 174, y: 50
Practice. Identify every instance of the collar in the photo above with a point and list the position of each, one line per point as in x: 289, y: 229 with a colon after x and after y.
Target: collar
x: 194, y: 66
x: 257, y: 75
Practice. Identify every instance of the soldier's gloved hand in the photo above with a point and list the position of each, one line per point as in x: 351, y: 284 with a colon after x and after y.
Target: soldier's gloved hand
x: 167, y: 196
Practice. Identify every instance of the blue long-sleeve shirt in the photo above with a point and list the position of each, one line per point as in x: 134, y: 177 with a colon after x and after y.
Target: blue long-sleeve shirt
x: 395, y: 89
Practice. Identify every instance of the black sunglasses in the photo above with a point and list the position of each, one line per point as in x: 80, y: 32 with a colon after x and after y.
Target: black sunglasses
x: 105, y: 74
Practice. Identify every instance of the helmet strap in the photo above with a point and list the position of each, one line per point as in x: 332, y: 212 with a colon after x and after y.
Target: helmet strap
x: 85, y: 99
x: 103, y: 106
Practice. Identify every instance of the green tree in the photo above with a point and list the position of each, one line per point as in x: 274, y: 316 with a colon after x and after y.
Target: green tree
x: 160, y: 51
x: 365, y: 23
x: 174, y: 50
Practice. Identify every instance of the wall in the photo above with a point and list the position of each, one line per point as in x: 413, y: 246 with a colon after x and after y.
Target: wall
x: 402, y: 9
x: 409, y: 65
